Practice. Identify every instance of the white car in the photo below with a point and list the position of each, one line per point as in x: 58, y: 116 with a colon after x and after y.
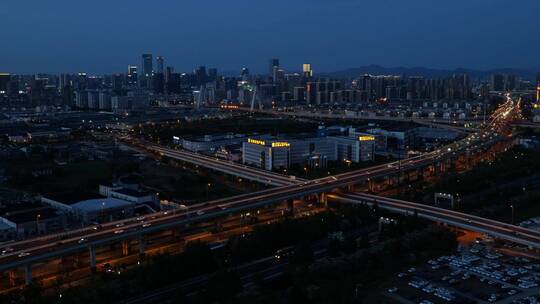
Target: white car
x: 7, y: 250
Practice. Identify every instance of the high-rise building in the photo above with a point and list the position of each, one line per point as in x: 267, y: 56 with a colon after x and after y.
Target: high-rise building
x: 168, y: 72
x: 538, y: 87
x: 212, y: 74
x: 244, y: 74
x: 200, y: 75
x: 497, y: 82
x: 160, y: 64
x: 306, y: 68
x: 158, y: 83
x: 146, y: 65
x: 131, y: 78
x: 117, y: 83
x: 5, y: 78
x: 63, y: 81
x: 274, y: 62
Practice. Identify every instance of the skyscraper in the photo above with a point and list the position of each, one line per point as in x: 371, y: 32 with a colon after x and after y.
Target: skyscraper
x: 147, y: 65
x: 201, y: 75
x: 168, y: 72
x: 538, y: 87
x: 160, y: 62
x: 306, y: 68
x: 212, y: 74
x: 5, y: 78
x: 274, y: 62
x: 497, y: 82
x: 132, y: 75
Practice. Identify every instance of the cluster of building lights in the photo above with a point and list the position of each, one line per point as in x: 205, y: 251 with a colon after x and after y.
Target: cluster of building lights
x: 230, y: 107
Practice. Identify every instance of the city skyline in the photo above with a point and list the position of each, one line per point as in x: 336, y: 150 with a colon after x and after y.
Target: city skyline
x: 343, y: 35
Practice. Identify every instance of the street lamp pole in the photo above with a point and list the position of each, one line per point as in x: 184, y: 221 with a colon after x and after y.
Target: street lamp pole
x: 512, y: 207
x: 37, y: 223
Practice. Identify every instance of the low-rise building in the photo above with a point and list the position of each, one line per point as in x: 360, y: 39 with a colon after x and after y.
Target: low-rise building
x: 103, y: 209
x: 113, y: 202
x: 355, y: 149
x: 35, y: 221
x: 275, y: 153
x: 209, y: 143
x: 8, y: 230
x: 268, y: 154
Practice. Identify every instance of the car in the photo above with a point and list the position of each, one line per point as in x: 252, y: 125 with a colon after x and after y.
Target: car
x: 23, y: 254
x: 144, y: 225
x: 200, y: 212
x: 81, y: 241
x: 118, y: 231
x: 285, y: 252
x: 392, y: 290
x: 119, y: 225
x: 7, y: 250
x: 140, y: 218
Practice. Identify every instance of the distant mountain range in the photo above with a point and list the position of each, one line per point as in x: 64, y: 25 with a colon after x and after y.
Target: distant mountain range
x: 429, y: 73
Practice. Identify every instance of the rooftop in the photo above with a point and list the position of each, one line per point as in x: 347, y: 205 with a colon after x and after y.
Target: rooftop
x: 70, y: 198
x: 100, y: 204
x: 32, y: 215
x: 132, y: 192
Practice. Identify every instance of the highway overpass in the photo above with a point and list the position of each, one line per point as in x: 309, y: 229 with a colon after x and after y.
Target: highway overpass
x: 493, y: 228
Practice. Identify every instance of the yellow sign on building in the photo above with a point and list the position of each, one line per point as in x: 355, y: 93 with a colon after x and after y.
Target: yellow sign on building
x: 279, y: 144
x: 366, y: 138
x: 256, y: 141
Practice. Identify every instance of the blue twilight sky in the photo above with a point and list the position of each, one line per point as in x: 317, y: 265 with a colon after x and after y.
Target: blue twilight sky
x: 99, y: 36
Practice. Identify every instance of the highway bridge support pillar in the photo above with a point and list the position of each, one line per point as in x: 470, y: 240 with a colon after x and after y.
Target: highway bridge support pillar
x: 28, y: 274
x: 321, y: 199
x: 142, y: 245
x: 290, y: 206
x: 371, y: 186
x: 12, y: 278
x: 92, y: 258
x: 125, y: 248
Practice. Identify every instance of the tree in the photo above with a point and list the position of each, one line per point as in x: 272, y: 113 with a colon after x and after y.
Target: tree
x: 303, y: 254
x: 364, y: 241
x: 32, y: 294
x: 223, y: 286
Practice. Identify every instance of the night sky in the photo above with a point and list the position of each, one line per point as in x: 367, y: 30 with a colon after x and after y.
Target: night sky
x: 101, y: 36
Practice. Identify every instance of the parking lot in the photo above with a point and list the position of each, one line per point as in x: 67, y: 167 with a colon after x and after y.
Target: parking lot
x: 475, y: 274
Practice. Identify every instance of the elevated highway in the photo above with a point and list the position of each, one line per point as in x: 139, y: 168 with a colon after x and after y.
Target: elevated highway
x: 227, y: 167
x: 493, y: 228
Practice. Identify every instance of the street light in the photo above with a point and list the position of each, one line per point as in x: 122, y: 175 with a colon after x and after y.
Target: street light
x: 512, y: 207
x: 37, y: 223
